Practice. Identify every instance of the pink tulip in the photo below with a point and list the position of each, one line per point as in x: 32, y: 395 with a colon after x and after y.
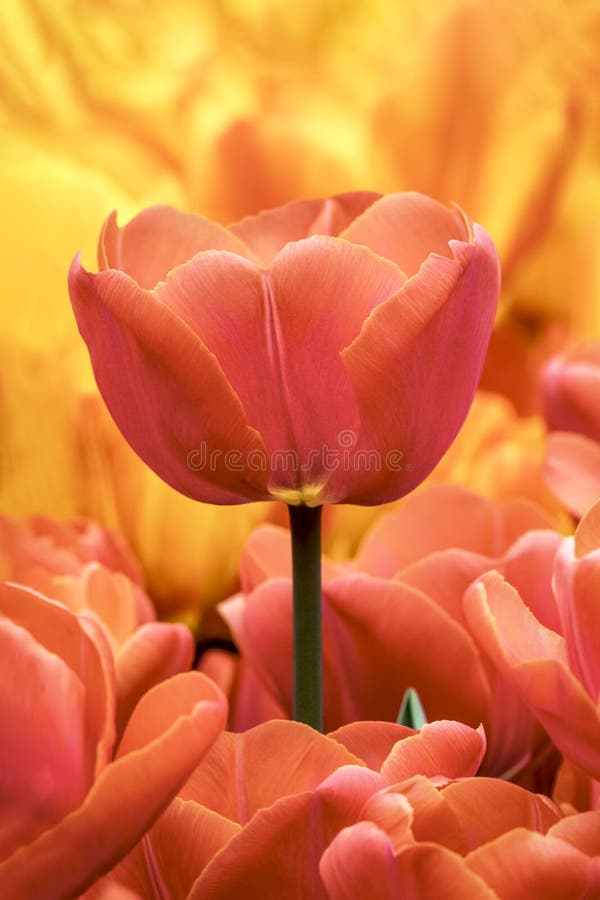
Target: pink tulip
x: 572, y: 470
x: 556, y: 671
x: 259, y: 811
x: 571, y: 391
x: 72, y: 802
x: 325, y: 351
x: 90, y: 570
x: 60, y: 548
x: 393, y: 618
x: 527, y: 851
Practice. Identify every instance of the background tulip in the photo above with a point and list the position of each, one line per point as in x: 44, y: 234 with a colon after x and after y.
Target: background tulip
x: 245, y: 818
x: 73, y: 802
x: 554, y: 670
x: 384, y: 613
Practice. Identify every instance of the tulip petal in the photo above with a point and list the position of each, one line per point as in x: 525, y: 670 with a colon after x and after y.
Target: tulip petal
x: 371, y: 741
x: 587, y: 533
x: 165, y: 411
x: 431, y: 318
x: 534, y: 660
x: 44, y: 772
x: 406, y: 228
x: 488, y: 807
x: 158, y: 239
x: 572, y: 470
x: 442, y: 748
x: 434, y: 519
x: 523, y: 864
x: 529, y: 567
x: 296, y: 830
x: 581, y: 831
x: 269, y: 231
x: 61, y: 633
x: 175, y: 851
x: 241, y: 773
x: 570, y: 393
x: 360, y: 862
x: 397, y: 638
x: 577, y: 585
x: 311, y: 305
x: 153, y: 653
x: 180, y: 718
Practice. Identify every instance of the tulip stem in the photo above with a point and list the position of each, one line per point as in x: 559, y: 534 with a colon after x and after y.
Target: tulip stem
x: 305, y: 524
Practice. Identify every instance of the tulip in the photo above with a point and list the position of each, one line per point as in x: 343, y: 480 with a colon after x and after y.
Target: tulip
x: 37, y: 545
x: 73, y: 802
x: 331, y: 282
x: 89, y: 570
x: 258, y: 812
x: 554, y: 670
x: 393, y: 618
x: 571, y: 389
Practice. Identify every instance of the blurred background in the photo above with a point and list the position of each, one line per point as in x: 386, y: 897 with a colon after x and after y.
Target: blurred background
x: 225, y: 108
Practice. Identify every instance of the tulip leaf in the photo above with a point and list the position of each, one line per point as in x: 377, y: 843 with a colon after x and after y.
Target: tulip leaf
x: 411, y: 712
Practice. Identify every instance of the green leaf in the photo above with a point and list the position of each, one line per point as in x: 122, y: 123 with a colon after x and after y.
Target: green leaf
x: 411, y: 714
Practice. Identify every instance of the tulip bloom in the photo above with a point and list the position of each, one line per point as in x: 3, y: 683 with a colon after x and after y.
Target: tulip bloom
x: 292, y: 354
x: 571, y: 389
x: 72, y: 802
x: 371, y: 810
x: 89, y: 570
x: 555, y: 670
x: 393, y: 618
x: 260, y: 809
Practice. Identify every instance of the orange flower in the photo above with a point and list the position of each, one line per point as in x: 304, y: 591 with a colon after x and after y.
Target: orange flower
x: 258, y: 812
x: 393, y: 618
x: 352, y: 296
x: 371, y: 810
x: 73, y: 803
x: 89, y: 570
x: 556, y: 669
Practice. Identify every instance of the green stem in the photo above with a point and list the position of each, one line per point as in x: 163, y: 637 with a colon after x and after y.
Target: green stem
x: 305, y: 524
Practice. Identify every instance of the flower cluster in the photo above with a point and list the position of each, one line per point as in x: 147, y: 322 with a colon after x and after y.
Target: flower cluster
x: 394, y: 692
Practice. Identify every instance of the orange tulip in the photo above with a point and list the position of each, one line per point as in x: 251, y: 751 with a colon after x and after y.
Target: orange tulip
x: 555, y: 670
x: 72, y: 803
x: 261, y: 808
x: 89, y: 570
x: 571, y: 391
x: 393, y: 619
x: 187, y: 322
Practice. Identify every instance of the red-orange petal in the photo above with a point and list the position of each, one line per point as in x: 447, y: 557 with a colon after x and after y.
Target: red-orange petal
x: 158, y: 239
x: 170, y: 411
x: 179, y: 720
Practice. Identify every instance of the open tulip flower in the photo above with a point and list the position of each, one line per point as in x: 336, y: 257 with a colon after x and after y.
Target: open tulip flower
x: 393, y: 618
x: 555, y: 670
x: 373, y: 810
x: 90, y: 570
x: 73, y: 800
x: 326, y: 351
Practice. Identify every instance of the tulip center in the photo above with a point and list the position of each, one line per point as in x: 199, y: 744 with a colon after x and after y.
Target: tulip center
x: 307, y: 495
